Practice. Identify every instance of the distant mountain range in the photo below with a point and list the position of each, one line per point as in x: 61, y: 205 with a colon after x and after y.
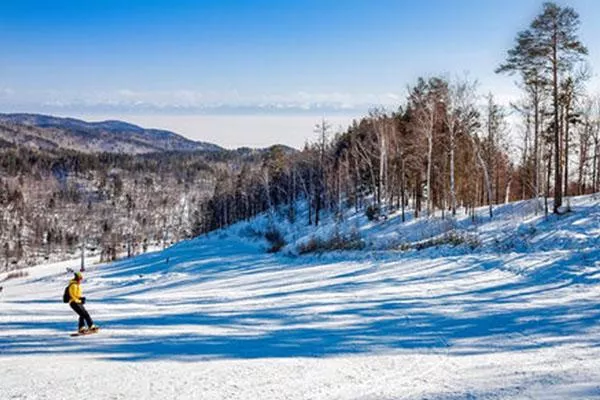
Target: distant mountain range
x: 48, y: 132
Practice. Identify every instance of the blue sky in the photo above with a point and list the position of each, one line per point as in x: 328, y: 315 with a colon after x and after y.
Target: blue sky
x: 166, y: 62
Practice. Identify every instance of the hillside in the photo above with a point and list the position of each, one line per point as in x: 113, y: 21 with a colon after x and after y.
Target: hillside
x: 53, y: 202
x: 512, y: 313
x: 54, y: 199
x: 47, y: 132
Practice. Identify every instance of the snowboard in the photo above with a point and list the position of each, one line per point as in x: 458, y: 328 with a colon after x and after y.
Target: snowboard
x: 87, y: 332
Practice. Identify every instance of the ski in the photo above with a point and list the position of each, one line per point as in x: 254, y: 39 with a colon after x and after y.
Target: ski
x: 85, y: 333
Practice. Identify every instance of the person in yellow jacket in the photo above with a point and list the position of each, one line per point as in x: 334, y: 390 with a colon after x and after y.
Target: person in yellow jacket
x: 76, y: 301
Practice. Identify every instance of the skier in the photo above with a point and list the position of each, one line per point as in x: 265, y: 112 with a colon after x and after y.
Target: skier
x: 76, y: 301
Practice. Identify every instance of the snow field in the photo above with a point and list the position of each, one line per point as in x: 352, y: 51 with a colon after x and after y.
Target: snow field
x: 217, y: 318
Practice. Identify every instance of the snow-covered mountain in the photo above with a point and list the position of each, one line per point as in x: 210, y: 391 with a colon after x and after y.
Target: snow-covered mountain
x: 48, y: 132
x: 511, y: 313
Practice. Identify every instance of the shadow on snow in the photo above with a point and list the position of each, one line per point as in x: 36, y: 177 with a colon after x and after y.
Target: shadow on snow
x: 462, y: 321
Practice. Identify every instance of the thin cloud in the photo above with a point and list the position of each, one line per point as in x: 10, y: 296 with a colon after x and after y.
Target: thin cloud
x: 191, y: 101
x: 6, y: 92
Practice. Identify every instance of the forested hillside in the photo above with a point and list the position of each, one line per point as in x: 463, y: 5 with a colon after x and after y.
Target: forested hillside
x: 448, y: 147
x: 47, y: 132
x: 54, y: 201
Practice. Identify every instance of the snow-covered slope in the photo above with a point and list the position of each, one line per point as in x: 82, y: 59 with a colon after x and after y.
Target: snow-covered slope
x: 514, y: 316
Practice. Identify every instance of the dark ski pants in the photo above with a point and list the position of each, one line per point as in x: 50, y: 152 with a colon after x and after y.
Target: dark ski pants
x: 84, y: 317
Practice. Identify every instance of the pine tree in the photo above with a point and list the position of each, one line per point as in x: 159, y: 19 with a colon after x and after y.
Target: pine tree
x: 544, y: 53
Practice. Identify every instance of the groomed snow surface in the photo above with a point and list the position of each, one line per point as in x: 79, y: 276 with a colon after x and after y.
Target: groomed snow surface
x: 218, y: 318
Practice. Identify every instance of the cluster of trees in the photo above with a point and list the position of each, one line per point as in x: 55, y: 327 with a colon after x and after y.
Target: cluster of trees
x: 53, y: 203
x: 560, y: 119
x: 251, y: 186
x: 438, y: 152
x: 446, y: 148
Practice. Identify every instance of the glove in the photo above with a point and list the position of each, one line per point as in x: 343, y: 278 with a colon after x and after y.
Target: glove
x: 82, y: 300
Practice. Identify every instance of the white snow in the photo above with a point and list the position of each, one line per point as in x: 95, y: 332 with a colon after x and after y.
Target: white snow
x: 218, y: 318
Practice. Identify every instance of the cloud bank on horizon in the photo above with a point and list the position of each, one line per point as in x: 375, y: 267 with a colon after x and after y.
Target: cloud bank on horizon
x: 186, y: 102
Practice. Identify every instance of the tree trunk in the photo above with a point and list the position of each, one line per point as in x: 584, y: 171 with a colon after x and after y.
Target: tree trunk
x: 429, y: 161
x: 381, y: 187
x: 452, y: 183
x: 507, y: 192
x: 557, y: 144
x: 595, y: 166
x: 548, y: 182
x: 536, y: 152
x: 403, y: 190
x: 486, y: 177
x: 566, y: 177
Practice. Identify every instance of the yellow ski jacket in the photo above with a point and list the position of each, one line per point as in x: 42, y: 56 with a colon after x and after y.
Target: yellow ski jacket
x: 75, y: 292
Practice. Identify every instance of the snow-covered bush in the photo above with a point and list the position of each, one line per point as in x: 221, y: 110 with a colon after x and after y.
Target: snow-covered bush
x: 338, y: 241
x: 275, y: 239
x: 519, y: 240
x: 452, y: 238
x: 15, y: 275
x: 372, y: 212
x: 404, y: 247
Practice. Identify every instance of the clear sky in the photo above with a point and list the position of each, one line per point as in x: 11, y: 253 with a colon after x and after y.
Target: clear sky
x: 251, y: 72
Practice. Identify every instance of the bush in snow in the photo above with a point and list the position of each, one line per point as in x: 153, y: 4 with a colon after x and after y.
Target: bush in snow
x: 373, y: 212
x: 404, y: 247
x: 275, y: 239
x: 519, y: 241
x: 337, y: 241
x: 15, y: 275
x: 452, y: 239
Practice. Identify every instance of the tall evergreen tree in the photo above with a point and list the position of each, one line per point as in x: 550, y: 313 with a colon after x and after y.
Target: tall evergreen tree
x: 549, y: 47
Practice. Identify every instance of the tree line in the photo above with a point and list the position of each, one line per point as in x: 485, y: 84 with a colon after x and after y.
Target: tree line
x: 54, y: 202
x: 446, y: 148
